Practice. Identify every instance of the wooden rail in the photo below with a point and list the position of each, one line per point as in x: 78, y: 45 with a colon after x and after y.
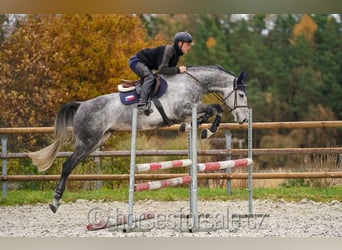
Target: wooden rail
x: 230, y: 126
x: 217, y: 152
x: 125, y: 177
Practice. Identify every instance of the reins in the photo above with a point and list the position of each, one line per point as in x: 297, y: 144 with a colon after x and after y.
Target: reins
x: 217, y: 96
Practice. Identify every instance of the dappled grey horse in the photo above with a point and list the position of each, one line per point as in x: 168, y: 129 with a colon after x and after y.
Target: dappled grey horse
x: 94, y: 120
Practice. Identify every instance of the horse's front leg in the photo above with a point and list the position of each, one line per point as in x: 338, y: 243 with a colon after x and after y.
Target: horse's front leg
x: 206, y: 133
x: 205, y: 112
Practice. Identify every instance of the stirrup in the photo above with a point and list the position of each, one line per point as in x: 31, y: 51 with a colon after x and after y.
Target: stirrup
x: 144, y: 108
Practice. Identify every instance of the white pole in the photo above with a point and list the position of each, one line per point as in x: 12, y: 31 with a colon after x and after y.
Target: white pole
x: 4, y: 165
x: 250, y: 167
x: 193, y: 186
x: 228, y: 135
x: 132, y: 169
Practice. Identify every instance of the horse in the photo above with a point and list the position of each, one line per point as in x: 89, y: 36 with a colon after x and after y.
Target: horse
x: 94, y: 120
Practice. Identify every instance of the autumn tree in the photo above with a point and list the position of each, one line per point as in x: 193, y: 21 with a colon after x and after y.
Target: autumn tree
x: 52, y: 59
x: 305, y: 27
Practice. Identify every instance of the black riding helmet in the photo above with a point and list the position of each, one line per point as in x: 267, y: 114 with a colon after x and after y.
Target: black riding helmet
x: 182, y: 36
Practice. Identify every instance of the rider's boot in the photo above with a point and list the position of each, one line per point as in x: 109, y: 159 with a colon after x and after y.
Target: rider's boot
x: 143, y: 105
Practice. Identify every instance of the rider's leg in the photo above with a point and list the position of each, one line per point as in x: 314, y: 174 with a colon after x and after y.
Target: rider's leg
x: 148, y: 79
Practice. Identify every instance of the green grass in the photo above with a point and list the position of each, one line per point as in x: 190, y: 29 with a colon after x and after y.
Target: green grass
x: 19, y: 197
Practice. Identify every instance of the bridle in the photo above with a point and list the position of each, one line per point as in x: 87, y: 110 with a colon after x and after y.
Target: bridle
x: 218, y: 97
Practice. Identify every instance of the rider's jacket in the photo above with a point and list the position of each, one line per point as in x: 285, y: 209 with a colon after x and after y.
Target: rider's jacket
x: 162, y: 58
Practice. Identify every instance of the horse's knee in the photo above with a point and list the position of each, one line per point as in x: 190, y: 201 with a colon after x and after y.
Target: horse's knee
x: 218, y: 108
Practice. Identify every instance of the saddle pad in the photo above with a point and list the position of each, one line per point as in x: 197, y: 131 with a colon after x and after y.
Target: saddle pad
x: 131, y: 97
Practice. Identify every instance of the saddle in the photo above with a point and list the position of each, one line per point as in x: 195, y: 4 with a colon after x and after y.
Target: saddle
x: 130, y: 85
x: 130, y: 90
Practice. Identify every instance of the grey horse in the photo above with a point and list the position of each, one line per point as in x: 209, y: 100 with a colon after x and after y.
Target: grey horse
x: 94, y: 120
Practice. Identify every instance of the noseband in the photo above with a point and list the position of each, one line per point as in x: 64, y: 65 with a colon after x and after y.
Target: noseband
x: 223, y: 100
x: 235, y: 89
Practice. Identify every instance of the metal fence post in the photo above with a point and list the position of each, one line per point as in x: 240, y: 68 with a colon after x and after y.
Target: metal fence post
x: 4, y: 164
x: 250, y: 167
x: 132, y: 169
x: 193, y: 186
x: 190, y: 151
x: 97, y: 161
x: 228, y: 135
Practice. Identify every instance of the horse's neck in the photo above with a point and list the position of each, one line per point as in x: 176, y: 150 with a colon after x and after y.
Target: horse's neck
x: 213, y: 81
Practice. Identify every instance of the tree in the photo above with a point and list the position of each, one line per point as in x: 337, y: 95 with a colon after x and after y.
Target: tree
x: 305, y: 27
x: 3, y: 21
x: 52, y: 59
x: 328, y: 62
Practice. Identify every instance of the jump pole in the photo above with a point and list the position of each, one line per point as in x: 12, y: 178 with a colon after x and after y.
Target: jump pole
x: 250, y: 167
x: 228, y: 135
x: 193, y: 170
x: 118, y: 221
x: 4, y: 165
x: 132, y: 169
x: 130, y: 219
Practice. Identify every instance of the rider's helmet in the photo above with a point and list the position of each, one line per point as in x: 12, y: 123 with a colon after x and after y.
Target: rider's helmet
x: 182, y: 36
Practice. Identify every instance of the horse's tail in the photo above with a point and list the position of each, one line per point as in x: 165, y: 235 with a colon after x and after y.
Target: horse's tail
x: 44, y: 158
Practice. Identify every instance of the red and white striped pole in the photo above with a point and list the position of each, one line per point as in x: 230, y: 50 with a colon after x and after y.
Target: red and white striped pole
x: 163, y: 165
x: 213, y: 166
x: 162, y: 184
x: 120, y: 220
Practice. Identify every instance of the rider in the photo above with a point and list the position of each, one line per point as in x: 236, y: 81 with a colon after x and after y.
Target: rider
x: 163, y: 59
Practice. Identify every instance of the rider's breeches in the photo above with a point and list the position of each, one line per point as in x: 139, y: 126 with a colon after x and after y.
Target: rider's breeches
x: 148, y: 79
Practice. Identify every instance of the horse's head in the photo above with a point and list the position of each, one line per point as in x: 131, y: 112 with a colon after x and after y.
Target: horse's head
x: 236, y: 99
x: 214, y: 79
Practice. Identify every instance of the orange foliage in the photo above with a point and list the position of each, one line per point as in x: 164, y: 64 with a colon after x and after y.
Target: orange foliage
x: 305, y: 27
x: 53, y: 59
x: 211, y: 42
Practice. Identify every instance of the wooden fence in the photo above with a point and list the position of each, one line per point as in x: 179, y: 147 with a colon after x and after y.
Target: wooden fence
x: 223, y: 152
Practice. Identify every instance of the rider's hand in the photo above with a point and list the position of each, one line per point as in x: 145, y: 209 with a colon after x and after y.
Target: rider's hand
x: 182, y: 69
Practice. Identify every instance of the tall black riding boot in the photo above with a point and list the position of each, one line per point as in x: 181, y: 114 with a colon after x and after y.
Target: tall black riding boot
x: 144, y: 105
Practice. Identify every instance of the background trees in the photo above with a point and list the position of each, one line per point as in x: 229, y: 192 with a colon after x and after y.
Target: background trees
x: 52, y: 59
x: 293, y: 63
x: 49, y: 60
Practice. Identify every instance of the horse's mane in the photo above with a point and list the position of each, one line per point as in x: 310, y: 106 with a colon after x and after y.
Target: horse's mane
x: 219, y: 67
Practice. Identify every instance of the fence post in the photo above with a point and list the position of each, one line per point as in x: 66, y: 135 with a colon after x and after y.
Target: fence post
x: 250, y: 167
x: 97, y: 161
x: 228, y: 135
x: 4, y: 164
x: 193, y: 185
x: 132, y: 169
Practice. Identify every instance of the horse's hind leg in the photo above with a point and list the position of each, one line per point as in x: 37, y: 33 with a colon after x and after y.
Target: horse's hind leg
x: 68, y: 167
x: 80, y: 153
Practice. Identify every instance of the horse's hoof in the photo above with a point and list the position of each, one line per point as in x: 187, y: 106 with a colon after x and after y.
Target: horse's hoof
x: 53, y: 208
x: 182, y: 127
x: 54, y: 205
x: 147, y: 112
x: 204, y: 134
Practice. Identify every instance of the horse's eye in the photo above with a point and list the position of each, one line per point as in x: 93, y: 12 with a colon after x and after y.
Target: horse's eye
x: 241, y: 95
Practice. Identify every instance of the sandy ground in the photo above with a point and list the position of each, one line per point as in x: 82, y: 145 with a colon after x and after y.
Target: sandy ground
x: 216, y: 219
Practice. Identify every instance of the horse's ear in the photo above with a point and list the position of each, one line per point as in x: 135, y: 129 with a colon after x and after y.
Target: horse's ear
x: 242, y: 78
